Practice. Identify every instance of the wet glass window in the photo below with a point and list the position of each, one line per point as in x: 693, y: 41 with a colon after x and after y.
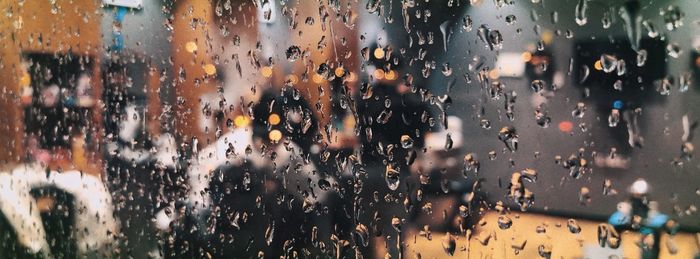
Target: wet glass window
x: 349, y: 129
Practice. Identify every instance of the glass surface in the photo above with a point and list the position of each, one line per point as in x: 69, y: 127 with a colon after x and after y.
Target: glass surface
x: 349, y: 129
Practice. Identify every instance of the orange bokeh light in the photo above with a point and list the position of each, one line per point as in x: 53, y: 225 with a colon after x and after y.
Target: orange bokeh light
x: 566, y: 126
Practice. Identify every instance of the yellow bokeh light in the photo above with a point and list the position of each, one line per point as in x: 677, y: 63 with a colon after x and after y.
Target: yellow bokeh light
x: 379, y: 53
x: 293, y: 79
x: 527, y: 56
x: 317, y: 78
x: 493, y: 74
x: 547, y: 36
x: 597, y: 65
x: 391, y: 75
x: 25, y: 80
x: 339, y: 72
x: 378, y: 74
x: 275, y: 135
x: 266, y: 71
x: 191, y: 46
x: 209, y: 69
x: 274, y: 119
x: 241, y: 121
x: 349, y: 122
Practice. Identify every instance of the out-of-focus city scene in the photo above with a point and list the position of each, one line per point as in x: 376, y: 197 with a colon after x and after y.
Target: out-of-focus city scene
x: 349, y: 129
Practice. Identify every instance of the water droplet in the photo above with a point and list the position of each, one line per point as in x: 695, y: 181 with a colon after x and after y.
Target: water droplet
x: 687, y: 150
x: 485, y: 123
x: 471, y: 164
x: 293, y: 53
x: 270, y: 233
x: 427, y: 208
x: 364, y: 52
x: 324, y: 184
x: 573, y: 226
x: 650, y: 28
x: 618, y: 85
x: 614, y: 118
x: 684, y: 82
x: 621, y: 67
x: 665, y: 86
x: 406, y: 142
x: 467, y: 23
x: 630, y: 14
x: 579, y: 111
x: 396, y: 224
x: 537, y: 85
x: 674, y: 50
x: 641, y: 57
x: 509, y: 138
x: 392, y: 178
x: 448, y: 142
x: 545, y: 250
x: 449, y: 244
x: 496, y: 90
x: 373, y: 6
x: 673, y: 17
x: 554, y: 17
x: 511, y: 19
x: 580, y: 13
x: 362, y: 234
x: 491, y: 38
x: 425, y: 232
x: 504, y: 222
x: 608, y: 187
x: 607, y: 20
x: 463, y: 211
x: 542, y: 119
x: 608, y: 63
x: 584, y: 195
x: 493, y: 155
x: 585, y: 72
x: 446, y: 69
x: 603, y: 234
x: 671, y: 245
x: 384, y: 116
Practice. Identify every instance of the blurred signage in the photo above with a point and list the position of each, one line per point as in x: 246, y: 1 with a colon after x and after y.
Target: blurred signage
x: 125, y: 3
x: 510, y: 64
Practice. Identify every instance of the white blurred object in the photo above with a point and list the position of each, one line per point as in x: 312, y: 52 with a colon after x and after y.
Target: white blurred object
x: 166, y: 150
x: 50, y: 95
x: 94, y: 223
x: 128, y: 127
x: 436, y: 140
x: 125, y: 3
x: 558, y: 80
x: 214, y: 156
x: 596, y: 251
x: 510, y: 64
x: 618, y: 161
x: 207, y: 102
x: 640, y: 186
x: 266, y: 12
x: 624, y: 208
x: 696, y: 43
x: 162, y: 219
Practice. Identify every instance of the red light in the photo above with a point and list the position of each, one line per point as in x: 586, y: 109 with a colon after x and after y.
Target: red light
x: 566, y: 126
